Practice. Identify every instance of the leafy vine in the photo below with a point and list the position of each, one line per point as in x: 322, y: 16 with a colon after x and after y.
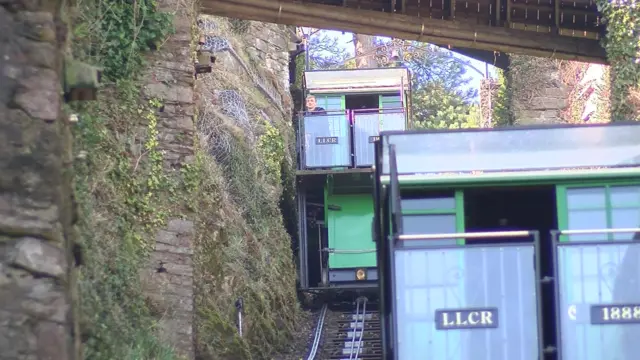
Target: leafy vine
x: 116, y: 34
x: 622, y: 44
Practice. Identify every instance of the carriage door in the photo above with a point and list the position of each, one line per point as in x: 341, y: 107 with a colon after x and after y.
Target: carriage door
x: 598, y: 271
x: 392, y: 114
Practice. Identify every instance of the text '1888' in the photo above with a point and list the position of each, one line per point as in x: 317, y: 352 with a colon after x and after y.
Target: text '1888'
x: 615, y: 314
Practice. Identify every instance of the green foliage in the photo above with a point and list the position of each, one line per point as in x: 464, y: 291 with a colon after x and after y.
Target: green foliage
x: 271, y: 147
x: 116, y: 33
x: 325, y: 51
x: 622, y: 45
x: 501, y: 109
x: 121, y: 207
x: 436, y: 107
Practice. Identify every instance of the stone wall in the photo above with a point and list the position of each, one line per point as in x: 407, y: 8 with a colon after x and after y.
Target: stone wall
x: 168, y: 277
x: 538, y: 93
x: 37, y: 287
x: 548, y: 91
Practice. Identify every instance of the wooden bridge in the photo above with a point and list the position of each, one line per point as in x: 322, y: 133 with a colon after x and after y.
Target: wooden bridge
x: 563, y: 29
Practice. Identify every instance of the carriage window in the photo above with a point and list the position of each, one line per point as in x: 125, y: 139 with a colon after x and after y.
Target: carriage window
x: 602, y: 207
x: 435, y: 203
x: 330, y: 102
x: 390, y: 101
x: 433, y: 213
x: 429, y: 224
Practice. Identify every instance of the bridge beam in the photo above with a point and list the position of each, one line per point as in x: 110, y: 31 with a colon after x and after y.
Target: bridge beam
x: 449, y: 33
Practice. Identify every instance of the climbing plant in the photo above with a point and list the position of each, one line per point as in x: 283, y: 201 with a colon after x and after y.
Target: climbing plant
x: 271, y: 146
x: 116, y: 33
x: 622, y: 44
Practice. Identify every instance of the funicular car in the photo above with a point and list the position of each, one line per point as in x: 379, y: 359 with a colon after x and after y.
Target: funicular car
x: 335, y: 147
x: 513, y: 243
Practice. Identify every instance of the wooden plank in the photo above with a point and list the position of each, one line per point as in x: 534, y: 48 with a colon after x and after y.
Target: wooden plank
x: 439, y: 32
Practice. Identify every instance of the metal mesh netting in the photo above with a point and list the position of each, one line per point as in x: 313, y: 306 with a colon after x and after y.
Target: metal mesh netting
x: 207, y: 25
x: 232, y: 104
x: 225, y: 112
x: 215, y: 43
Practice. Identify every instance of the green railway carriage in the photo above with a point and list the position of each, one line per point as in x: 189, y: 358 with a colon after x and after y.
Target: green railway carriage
x: 335, y: 147
x: 514, y: 244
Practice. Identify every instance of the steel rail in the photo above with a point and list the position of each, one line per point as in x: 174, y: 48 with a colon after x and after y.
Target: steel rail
x: 318, y: 333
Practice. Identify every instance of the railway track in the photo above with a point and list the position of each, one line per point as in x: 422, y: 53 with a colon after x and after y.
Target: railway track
x: 347, y: 332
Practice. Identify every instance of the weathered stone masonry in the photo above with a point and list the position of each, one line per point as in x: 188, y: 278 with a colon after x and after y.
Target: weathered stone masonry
x: 168, y: 277
x: 37, y: 286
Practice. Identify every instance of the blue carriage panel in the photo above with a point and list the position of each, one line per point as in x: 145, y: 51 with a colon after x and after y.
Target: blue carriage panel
x: 367, y: 127
x: 466, y: 303
x: 327, y: 140
x: 598, y: 292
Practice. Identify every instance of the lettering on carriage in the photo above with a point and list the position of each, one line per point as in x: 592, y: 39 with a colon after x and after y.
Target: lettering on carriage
x: 458, y: 319
x: 327, y: 140
x: 373, y: 139
x: 615, y: 314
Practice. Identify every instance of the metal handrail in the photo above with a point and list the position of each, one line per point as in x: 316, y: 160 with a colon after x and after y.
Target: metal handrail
x: 337, y: 251
x: 469, y: 235
x: 380, y: 110
x: 597, y: 231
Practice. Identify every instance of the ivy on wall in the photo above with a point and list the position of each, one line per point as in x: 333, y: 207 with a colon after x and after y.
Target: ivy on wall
x: 120, y: 183
x: 622, y: 44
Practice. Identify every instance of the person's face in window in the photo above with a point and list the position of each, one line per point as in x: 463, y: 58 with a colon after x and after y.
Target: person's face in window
x: 311, y: 103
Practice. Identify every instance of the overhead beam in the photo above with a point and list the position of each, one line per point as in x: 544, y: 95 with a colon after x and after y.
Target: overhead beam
x: 497, y: 59
x: 434, y: 31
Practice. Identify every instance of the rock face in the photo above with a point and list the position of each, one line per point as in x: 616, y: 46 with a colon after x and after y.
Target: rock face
x: 36, y: 309
x: 243, y: 250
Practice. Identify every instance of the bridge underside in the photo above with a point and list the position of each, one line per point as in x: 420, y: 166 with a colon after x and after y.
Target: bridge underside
x: 559, y: 29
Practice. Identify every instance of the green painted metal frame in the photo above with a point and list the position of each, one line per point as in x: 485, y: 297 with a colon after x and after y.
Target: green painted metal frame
x: 562, y: 203
x: 324, y: 98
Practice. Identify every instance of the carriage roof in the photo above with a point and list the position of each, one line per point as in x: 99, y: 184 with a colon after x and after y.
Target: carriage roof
x: 513, y: 153
x: 357, y: 80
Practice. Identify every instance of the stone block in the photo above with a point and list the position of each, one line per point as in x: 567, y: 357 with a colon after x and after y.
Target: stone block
x: 50, y: 335
x: 173, y: 258
x: 38, y: 94
x: 39, y: 257
x: 46, y: 300
x: 176, y: 94
x: 181, y: 226
x: 545, y: 103
x: 174, y: 249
